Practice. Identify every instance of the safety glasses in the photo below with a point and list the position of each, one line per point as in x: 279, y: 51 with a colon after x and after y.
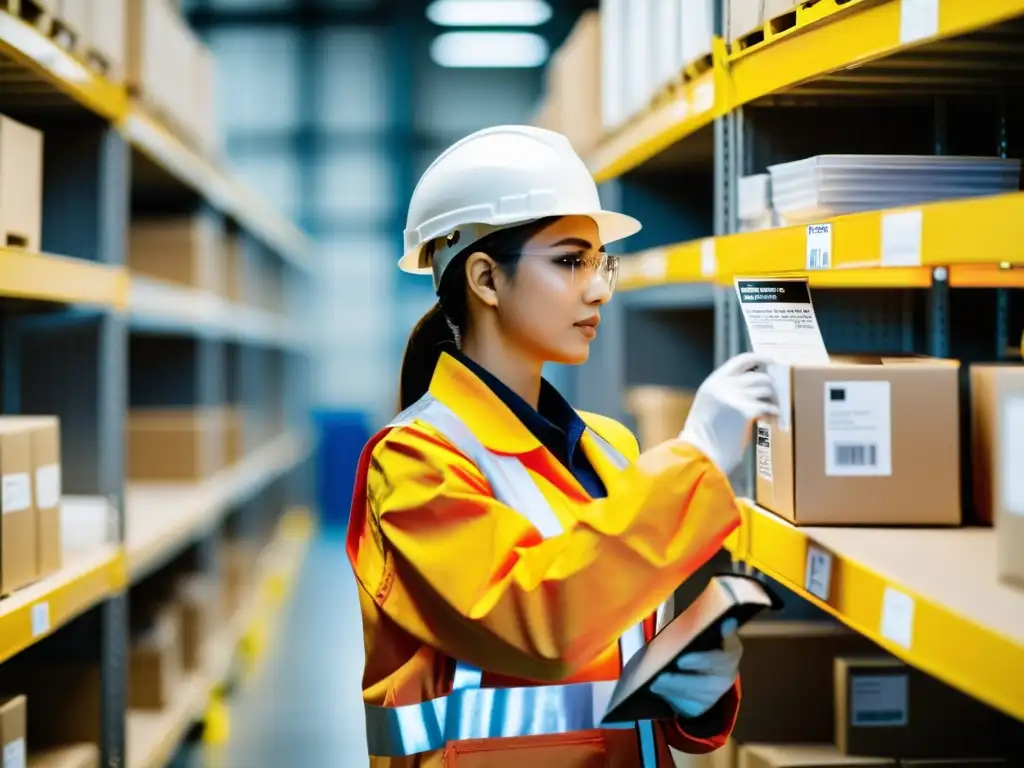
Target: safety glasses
x: 581, y: 266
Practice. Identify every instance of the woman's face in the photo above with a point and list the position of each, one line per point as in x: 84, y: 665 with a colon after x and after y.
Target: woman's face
x: 551, y: 306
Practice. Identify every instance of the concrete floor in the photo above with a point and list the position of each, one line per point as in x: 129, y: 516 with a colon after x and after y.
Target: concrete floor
x: 304, y: 707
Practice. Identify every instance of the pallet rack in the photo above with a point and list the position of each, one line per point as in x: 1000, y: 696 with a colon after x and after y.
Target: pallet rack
x: 79, y: 333
x: 857, y: 76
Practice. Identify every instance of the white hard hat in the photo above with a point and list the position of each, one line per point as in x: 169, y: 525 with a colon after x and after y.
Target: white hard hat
x: 496, y: 178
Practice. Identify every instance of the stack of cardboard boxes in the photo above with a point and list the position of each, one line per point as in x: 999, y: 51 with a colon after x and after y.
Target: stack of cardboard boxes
x: 30, y: 534
x: 743, y: 17
x: 21, y: 186
x: 18, y: 751
x: 817, y: 694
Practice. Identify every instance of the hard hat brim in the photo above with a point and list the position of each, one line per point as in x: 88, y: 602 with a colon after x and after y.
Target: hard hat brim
x: 611, y: 225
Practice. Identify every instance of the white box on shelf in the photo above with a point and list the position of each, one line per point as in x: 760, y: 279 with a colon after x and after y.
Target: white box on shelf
x: 639, y: 81
x: 698, y: 29
x: 667, y: 42
x: 613, y: 63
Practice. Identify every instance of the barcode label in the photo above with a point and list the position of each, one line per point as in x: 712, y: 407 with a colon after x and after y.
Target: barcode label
x: 819, y: 246
x: 764, y: 451
x: 858, y: 432
x: 856, y: 455
x: 40, y: 618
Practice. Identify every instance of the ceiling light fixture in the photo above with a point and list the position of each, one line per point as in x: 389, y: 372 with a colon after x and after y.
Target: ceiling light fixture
x: 488, y: 13
x: 489, y: 49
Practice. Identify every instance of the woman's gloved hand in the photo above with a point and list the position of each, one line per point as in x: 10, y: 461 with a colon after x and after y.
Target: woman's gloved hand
x: 703, y: 677
x: 737, y: 393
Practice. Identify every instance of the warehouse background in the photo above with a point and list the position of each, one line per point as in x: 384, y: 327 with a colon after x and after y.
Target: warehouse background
x: 333, y: 109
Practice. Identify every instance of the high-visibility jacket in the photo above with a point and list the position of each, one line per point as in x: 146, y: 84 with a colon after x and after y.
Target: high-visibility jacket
x: 488, y: 624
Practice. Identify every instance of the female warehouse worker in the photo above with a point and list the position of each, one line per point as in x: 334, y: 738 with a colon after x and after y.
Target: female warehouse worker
x: 510, y: 551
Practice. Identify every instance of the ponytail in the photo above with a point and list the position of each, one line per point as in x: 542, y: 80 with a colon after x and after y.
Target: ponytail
x: 427, y: 341
x: 434, y: 334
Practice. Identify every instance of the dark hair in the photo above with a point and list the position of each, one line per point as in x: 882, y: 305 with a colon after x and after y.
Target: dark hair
x: 432, y: 333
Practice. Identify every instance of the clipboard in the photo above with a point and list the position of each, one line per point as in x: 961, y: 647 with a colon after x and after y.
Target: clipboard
x: 698, y: 628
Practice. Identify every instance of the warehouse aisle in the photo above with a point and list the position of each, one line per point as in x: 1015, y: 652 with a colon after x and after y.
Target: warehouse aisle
x: 304, y: 708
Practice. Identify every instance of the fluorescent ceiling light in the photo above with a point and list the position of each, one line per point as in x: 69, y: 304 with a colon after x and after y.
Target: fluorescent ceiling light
x: 489, y: 49
x: 488, y: 13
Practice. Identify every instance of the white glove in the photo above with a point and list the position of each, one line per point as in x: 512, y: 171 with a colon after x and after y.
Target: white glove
x: 725, y: 404
x: 704, y: 677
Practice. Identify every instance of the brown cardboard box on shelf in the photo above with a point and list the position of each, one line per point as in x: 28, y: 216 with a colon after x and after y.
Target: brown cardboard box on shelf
x: 660, y: 412
x: 180, y: 250
x: 997, y: 456
x: 155, y: 664
x: 232, y: 268
x: 21, y: 185
x: 18, y: 528
x: 238, y: 567
x: 106, y: 35
x: 66, y: 693
x: 869, y: 441
x: 197, y: 606
x: 234, y: 435
x: 885, y: 708
x: 67, y: 756
x: 151, y: 69
x: 796, y: 657
x: 174, y: 444
x: 14, y: 730
x: 575, y: 83
x: 805, y: 756
x: 44, y: 437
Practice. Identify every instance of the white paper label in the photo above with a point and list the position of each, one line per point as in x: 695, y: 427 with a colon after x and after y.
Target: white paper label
x: 858, y: 429
x: 654, y: 265
x: 780, y: 320
x: 15, y: 754
x: 708, y: 260
x: 901, y: 239
x: 764, y: 450
x: 40, y: 619
x: 819, y: 246
x: 918, y: 19
x: 48, y: 486
x: 17, y: 491
x: 703, y: 97
x: 879, y: 701
x: 1012, y: 470
x: 818, y: 577
x: 898, y: 617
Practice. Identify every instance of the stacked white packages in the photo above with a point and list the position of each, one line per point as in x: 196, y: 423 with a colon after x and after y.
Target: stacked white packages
x: 830, y: 185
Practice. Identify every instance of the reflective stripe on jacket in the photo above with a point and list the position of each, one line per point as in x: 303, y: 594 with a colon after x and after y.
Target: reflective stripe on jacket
x: 470, y: 544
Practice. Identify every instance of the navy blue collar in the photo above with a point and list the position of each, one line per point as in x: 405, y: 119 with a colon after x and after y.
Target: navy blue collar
x: 554, y: 422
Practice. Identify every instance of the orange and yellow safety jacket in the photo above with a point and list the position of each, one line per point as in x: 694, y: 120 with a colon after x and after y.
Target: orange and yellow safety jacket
x: 500, y: 600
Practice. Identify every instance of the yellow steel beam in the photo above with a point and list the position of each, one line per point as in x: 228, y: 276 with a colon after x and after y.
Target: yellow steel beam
x: 52, y: 64
x: 32, y: 613
x: 940, y: 626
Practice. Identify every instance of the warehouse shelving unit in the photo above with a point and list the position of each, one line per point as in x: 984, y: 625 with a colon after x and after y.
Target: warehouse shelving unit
x: 82, y: 338
x: 860, y: 76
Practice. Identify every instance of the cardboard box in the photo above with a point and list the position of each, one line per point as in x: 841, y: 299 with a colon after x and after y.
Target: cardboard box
x: 660, y: 412
x: 76, y: 14
x: 197, y: 605
x: 179, y: 250
x: 18, y: 527
x: 869, y: 441
x: 149, y: 50
x: 13, y: 730
x: 997, y: 455
x: 238, y: 566
x: 107, y: 34
x: 234, y: 435
x: 885, y: 708
x: 804, y: 756
x: 67, y: 696
x: 21, y: 186
x: 797, y: 657
x: 44, y: 436
x: 68, y: 756
x: 204, y: 100
x: 575, y: 81
x: 155, y: 670
x: 174, y: 444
